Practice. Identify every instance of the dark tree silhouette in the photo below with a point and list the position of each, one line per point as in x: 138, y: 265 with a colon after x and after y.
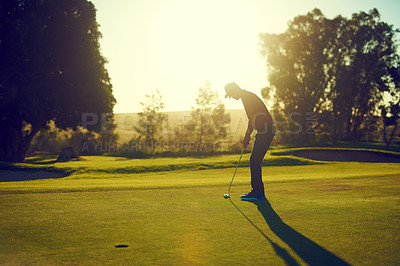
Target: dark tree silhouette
x: 363, y: 54
x: 50, y: 69
x: 390, y: 117
x: 296, y: 61
x: 338, y: 69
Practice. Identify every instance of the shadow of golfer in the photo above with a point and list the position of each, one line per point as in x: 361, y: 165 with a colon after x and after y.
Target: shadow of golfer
x: 281, y: 252
x: 309, y: 251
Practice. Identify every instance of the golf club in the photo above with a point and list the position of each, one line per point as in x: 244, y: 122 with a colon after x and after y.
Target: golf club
x: 227, y: 196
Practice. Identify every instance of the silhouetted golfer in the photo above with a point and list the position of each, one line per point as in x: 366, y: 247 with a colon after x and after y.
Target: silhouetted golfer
x: 260, y: 120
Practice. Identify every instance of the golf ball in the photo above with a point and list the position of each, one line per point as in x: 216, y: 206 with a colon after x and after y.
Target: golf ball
x: 226, y: 196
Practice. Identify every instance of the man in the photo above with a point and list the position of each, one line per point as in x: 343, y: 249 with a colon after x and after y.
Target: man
x: 260, y: 120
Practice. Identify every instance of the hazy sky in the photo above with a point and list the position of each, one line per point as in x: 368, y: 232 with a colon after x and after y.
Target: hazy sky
x: 177, y: 45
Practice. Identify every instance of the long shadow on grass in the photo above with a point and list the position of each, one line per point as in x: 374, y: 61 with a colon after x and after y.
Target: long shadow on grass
x: 309, y: 251
x: 281, y: 252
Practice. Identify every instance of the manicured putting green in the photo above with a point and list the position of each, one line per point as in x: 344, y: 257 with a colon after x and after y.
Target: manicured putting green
x: 346, y: 211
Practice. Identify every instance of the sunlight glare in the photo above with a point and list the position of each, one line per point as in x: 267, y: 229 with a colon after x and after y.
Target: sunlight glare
x: 205, y: 40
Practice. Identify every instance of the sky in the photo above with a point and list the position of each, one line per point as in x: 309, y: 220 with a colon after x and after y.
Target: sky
x: 176, y: 46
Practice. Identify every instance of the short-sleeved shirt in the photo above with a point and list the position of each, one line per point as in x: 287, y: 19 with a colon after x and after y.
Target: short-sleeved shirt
x: 256, y: 111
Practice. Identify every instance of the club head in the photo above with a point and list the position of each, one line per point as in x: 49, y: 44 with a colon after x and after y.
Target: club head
x: 227, y: 196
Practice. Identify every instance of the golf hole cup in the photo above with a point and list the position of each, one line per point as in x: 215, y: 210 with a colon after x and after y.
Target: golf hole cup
x: 227, y: 196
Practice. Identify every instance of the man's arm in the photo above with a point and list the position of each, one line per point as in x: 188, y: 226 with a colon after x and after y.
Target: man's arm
x: 249, y: 130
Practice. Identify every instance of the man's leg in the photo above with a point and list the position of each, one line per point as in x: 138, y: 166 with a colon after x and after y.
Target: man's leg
x: 260, y: 148
x: 256, y: 158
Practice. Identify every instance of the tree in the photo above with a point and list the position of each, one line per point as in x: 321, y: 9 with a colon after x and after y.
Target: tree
x: 209, y: 119
x: 338, y: 69
x: 390, y: 117
x: 391, y: 111
x: 50, y: 69
x: 297, y: 75
x: 363, y: 54
x: 151, y: 120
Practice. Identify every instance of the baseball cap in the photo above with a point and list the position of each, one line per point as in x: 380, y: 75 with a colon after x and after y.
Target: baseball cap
x: 230, y: 87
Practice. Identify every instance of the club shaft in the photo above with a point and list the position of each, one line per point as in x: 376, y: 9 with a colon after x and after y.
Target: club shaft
x: 233, y: 177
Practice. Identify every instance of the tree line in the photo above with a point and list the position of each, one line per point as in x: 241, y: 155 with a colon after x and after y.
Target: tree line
x: 208, y: 123
x: 205, y: 131
x: 329, y: 80
x: 343, y: 72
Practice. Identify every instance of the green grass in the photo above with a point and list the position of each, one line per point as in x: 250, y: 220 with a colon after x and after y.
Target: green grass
x: 340, y: 211
x: 286, y: 151
x: 395, y: 146
x: 105, y: 165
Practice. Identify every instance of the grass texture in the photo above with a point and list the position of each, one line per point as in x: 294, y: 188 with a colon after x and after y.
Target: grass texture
x: 316, y: 214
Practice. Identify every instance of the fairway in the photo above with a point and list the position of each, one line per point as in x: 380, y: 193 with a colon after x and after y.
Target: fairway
x: 339, y: 213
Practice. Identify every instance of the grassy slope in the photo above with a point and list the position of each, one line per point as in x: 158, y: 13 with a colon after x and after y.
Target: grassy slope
x: 347, y: 210
x: 289, y: 150
x: 93, y: 181
x: 119, y: 165
x: 380, y: 146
